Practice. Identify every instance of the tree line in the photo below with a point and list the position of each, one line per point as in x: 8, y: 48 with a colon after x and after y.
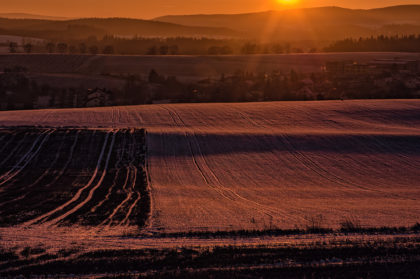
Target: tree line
x: 17, y: 90
x: 157, y: 46
x: 405, y: 43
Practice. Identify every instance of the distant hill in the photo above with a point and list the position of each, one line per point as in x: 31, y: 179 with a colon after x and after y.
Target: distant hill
x: 83, y: 28
x: 305, y: 25
x: 324, y: 23
x: 30, y: 16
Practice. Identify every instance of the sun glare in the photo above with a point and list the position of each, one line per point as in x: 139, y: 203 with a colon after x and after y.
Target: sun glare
x: 287, y: 2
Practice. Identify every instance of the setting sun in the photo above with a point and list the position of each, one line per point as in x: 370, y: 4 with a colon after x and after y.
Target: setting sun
x: 287, y: 2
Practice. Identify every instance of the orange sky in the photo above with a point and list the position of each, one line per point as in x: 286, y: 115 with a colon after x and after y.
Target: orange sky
x: 152, y: 8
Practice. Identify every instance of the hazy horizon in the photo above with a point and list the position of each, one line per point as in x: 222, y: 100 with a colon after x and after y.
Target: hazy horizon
x: 138, y: 9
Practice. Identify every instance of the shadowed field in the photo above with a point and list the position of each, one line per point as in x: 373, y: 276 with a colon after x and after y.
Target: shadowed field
x: 57, y: 176
x: 379, y: 259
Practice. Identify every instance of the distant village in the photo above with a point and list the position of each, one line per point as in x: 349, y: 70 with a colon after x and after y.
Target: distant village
x: 383, y: 78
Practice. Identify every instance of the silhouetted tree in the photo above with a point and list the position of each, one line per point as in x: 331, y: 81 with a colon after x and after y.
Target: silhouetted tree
x: 408, y: 43
x: 226, y: 50
x: 62, y: 47
x: 108, y: 49
x: 287, y: 48
x: 277, y: 48
x: 173, y: 49
x: 50, y: 47
x: 297, y: 50
x: 82, y: 48
x: 154, y: 77
x: 72, y: 49
x: 152, y: 50
x: 163, y: 50
x: 27, y: 47
x: 214, y: 50
x: 93, y: 50
x: 134, y: 91
x: 249, y: 48
x: 13, y: 47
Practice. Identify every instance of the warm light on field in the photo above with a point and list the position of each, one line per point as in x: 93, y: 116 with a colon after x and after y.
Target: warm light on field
x: 287, y: 2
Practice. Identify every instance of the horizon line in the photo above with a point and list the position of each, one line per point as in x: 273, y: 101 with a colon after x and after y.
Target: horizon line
x: 64, y: 18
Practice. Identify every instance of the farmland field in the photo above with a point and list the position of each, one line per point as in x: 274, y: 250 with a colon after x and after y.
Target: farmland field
x: 188, y: 67
x: 250, y: 166
x: 72, y: 176
x: 210, y: 168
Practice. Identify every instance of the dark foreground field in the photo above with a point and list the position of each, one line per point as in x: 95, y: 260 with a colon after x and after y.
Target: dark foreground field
x: 397, y: 257
x: 60, y: 176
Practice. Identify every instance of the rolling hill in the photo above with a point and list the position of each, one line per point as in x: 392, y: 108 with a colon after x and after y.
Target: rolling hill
x: 310, y: 24
x: 30, y: 16
x: 234, y: 166
x: 83, y: 28
x: 324, y: 23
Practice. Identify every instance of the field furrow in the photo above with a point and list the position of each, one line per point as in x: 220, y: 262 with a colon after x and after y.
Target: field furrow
x: 242, y: 166
x: 65, y: 176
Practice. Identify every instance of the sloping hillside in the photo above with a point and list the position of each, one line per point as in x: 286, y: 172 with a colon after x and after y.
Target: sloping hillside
x: 263, y: 165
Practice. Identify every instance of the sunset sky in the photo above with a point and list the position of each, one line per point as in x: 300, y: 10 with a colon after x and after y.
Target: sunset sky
x: 152, y: 8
